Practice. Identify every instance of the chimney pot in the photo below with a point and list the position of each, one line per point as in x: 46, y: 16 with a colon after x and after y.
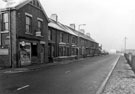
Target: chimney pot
x: 54, y: 17
x: 72, y: 26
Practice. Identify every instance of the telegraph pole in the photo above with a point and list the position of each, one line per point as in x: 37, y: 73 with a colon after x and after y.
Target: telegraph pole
x: 125, y: 39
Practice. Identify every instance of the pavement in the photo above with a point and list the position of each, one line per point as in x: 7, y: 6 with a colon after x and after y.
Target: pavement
x: 122, y: 80
x: 79, y: 77
x: 37, y: 66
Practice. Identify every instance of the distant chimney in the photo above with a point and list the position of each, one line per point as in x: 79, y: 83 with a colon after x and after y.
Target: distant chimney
x: 7, y: 0
x: 88, y: 34
x: 72, y: 26
x: 82, y: 31
x: 54, y: 17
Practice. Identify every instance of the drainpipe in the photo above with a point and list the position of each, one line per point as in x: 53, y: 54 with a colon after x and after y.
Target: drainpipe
x: 10, y: 41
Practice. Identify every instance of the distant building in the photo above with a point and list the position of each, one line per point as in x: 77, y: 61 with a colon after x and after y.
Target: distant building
x: 28, y: 36
x: 113, y: 51
x: 130, y: 51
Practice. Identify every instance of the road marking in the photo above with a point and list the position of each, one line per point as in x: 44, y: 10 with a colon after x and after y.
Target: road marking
x: 67, y: 72
x: 101, y: 88
x: 23, y: 87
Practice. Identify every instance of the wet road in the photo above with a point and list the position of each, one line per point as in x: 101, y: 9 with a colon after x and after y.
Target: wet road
x: 80, y: 77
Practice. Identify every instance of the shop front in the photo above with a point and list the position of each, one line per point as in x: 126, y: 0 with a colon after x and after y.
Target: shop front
x: 31, y: 52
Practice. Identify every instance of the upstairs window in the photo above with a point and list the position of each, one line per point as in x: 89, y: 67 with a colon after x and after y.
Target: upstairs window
x: 68, y: 38
x: 5, y: 21
x: 28, y: 24
x: 40, y: 26
x: 49, y: 34
x: 73, y: 39
x: 61, y: 37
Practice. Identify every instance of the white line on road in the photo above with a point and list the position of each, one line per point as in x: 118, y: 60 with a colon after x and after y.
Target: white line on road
x: 67, y: 72
x: 23, y: 87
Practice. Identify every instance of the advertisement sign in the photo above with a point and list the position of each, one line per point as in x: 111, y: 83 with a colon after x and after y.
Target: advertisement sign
x: 25, y: 54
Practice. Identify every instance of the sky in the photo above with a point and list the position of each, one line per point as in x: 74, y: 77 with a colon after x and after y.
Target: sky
x: 107, y: 21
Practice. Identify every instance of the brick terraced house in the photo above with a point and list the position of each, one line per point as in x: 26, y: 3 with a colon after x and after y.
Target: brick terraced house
x: 28, y: 36
x: 23, y: 33
x: 67, y: 43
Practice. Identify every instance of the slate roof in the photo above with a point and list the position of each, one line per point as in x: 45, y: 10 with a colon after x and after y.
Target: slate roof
x: 59, y: 26
x: 13, y: 3
x: 16, y: 4
x: 67, y: 29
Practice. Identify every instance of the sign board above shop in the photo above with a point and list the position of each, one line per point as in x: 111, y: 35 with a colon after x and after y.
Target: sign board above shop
x: 3, y: 51
x: 42, y: 42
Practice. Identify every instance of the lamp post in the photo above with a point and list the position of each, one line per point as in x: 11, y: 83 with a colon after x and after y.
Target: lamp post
x: 79, y: 37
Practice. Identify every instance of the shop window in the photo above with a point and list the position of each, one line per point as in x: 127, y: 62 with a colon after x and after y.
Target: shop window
x: 34, y: 50
x: 28, y: 24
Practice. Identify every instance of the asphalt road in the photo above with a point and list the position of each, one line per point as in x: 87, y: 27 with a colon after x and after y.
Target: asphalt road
x: 80, y: 77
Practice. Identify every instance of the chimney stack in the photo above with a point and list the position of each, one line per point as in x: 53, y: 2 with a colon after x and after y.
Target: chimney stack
x: 72, y: 26
x: 54, y: 17
x: 88, y: 34
x: 82, y: 31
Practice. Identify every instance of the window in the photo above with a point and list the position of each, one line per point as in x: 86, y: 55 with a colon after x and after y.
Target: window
x: 28, y: 24
x: 34, y: 2
x: 61, y: 37
x: 39, y: 25
x: 31, y: 2
x: 5, y: 22
x: 68, y: 39
x: 49, y: 34
x: 73, y: 39
x: 38, y: 5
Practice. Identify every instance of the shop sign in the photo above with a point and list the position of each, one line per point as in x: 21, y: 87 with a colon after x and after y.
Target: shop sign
x: 25, y: 54
x: 3, y: 51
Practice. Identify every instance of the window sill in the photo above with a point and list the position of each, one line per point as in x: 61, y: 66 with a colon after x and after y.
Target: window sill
x: 5, y: 31
x: 40, y: 36
x: 28, y: 33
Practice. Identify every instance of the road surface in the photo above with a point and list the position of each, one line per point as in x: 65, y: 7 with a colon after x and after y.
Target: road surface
x: 80, y: 77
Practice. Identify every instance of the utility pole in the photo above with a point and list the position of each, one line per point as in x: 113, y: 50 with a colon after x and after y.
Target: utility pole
x: 125, y: 39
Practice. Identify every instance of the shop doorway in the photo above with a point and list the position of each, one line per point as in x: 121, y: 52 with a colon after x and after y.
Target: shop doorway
x: 25, y: 53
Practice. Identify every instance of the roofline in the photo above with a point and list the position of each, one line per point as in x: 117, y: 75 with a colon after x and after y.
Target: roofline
x: 24, y: 3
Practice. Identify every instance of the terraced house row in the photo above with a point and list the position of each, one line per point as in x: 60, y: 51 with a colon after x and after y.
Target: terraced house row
x: 28, y: 36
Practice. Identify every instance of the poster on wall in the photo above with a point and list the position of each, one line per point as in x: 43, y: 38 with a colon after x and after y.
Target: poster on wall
x: 25, y: 54
x: 4, y: 51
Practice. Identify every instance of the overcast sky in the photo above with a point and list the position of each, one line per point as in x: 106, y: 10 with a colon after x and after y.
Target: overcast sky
x: 108, y: 21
